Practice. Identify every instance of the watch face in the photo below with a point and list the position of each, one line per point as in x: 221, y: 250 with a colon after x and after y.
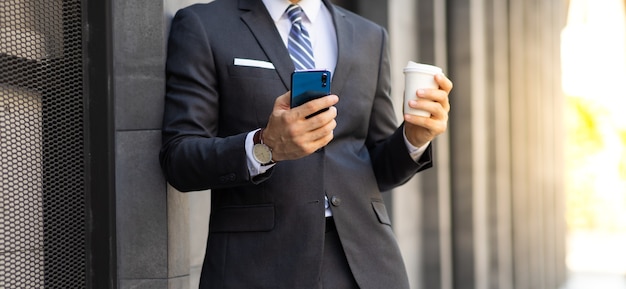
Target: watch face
x: 262, y: 153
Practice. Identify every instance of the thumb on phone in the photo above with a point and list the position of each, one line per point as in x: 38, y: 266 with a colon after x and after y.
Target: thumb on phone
x: 283, y: 102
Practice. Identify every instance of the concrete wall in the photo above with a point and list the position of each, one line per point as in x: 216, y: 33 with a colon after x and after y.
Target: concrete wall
x: 489, y: 215
x: 143, y: 241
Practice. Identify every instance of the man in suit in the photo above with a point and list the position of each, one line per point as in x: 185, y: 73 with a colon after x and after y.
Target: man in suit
x: 312, y: 214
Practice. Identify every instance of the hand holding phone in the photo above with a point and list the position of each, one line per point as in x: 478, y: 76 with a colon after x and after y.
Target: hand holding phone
x: 307, y: 85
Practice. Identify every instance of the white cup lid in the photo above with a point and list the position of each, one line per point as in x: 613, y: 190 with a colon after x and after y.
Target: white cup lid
x: 420, y: 67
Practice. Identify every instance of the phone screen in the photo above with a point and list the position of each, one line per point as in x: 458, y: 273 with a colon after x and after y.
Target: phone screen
x: 307, y: 85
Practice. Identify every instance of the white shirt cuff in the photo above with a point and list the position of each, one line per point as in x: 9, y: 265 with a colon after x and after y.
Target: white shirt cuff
x: 414, y: 152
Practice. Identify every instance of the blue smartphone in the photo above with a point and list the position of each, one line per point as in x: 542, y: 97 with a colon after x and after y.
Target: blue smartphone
x: 307, y: 85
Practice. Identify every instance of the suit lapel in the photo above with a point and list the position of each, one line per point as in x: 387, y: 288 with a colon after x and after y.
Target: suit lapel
x: 262, y: 26
x: 345, y: 49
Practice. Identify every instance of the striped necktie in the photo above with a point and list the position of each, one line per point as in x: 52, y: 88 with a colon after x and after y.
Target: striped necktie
x: 299, y: 43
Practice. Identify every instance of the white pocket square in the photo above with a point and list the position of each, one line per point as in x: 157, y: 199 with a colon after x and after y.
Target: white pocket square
x: 254, y: 63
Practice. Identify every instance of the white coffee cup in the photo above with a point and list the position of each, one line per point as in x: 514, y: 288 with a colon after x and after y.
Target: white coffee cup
x: 418, y: 76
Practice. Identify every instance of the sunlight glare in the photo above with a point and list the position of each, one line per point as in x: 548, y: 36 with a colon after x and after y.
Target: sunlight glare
x: 593, y: 51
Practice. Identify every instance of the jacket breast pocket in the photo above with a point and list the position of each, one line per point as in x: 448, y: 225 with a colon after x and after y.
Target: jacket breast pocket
x: 251, y: 218
x: 238, y: 71
x: 381, y: 212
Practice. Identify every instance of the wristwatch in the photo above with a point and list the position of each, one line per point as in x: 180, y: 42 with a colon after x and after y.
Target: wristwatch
x: 260, y: 151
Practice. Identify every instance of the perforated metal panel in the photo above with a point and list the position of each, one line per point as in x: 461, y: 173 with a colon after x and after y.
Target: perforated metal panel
x: 42, y: 182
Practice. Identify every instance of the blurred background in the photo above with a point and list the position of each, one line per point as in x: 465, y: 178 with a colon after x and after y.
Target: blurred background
x: 594, y: 82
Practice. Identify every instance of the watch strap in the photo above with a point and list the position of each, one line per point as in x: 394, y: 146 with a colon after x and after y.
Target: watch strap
x: 256, y: 139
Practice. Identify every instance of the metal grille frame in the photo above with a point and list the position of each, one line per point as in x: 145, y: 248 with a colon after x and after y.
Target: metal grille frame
x: 56, y: 140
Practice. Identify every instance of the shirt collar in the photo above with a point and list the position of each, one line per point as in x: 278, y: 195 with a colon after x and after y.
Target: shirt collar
x: 277, y: 8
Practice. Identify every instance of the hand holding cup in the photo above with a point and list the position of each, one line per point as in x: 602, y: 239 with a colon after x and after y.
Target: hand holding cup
x: 418, y: 76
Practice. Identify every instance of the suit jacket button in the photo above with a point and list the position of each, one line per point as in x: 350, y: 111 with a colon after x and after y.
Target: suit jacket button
x: 336, y: 201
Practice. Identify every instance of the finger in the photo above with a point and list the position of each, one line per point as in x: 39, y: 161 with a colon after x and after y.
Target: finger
x: 309, y: 142
x: 326, y: 129
x: 432, y: 126
x: 444, y: 82
x: 436, y: 109
x: 322, y: 117
x: 436, y: 95
x: 323, y: 135
x: 316, y: 129
x: 304, y: 130
x: 283, y: 101
x: 317, y: 105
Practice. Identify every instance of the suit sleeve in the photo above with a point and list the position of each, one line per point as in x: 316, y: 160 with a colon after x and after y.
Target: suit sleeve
x: 391, y: 161
x: 193, y: 156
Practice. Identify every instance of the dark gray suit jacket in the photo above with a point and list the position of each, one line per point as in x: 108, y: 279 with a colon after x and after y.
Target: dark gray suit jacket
x: 268, y: 231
